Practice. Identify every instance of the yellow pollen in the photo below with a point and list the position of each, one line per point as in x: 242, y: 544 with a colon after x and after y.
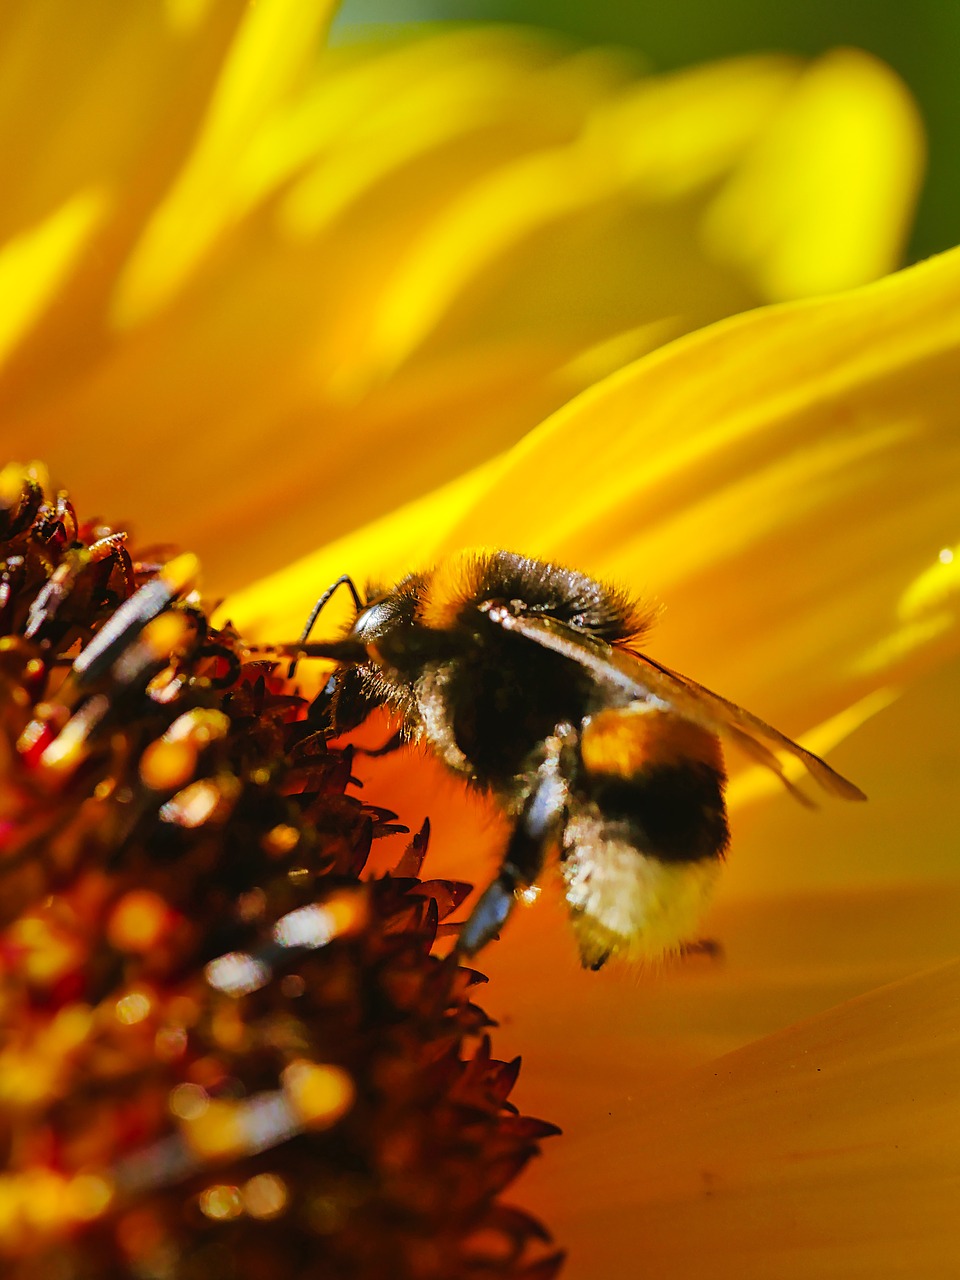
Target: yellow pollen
x: 181, y: 573
x: 222, y: 1203
x: 280, y: 840
x: 88, y: 1195
x: 45, y: 1204
x: 138, y: 922
x: 320, y: 1093
x: 202, y: 725
x: 27, y: 1078
x: 70, y: 747
x: 133, y: 1008
x: 265, y: 1196
x: 69, y: 1029
x: 194, y: 805
x: 229, y: 1028
x: 188, y: 1101
x: 217, y: 1131
x: 165, y: 685
x: 165, y: 634
x: 164, y: 766
x: 347, y: 911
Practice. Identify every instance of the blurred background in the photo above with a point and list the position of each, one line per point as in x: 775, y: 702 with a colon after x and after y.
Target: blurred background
x: 920, y: 40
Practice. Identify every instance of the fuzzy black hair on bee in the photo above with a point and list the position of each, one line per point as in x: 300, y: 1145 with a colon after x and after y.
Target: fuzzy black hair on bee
x: 452, y: 593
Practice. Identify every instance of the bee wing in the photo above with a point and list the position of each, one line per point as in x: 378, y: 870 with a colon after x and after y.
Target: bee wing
x: 643, y: 678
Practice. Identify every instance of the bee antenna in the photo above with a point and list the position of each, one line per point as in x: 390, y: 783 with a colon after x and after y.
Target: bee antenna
x: 343, y: 581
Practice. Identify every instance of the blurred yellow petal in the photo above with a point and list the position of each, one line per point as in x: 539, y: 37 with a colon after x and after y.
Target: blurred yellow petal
x: 818, y: 202
x: 381, y: 551
x: 184, y: 15
x: 93, y: 102
x: 509, y: 232
x: 105, y: 110
x: 758, y: 781
x: 556, y: 234
x: 675, y: 134
x: 438, y: 239
x: 458, y: 104
x: 273, y: 49
x: 804, y: 152
x: 35, y: 263
x: 826, y: 1150
x: 933, y: 587
x: 905, y: 758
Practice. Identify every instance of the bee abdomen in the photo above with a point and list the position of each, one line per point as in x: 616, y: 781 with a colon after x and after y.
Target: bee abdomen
x: 674, y: 812
x: 659, y: 779
x: 624, y: 902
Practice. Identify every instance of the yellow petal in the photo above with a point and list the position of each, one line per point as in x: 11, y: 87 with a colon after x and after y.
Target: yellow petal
x: 827, y: 1150
x: 101, y: 110
x: 784, y: 958
x: 385, y: 549
x: 821, y: 168
x: 273, y: 49
x: 905, y: 759
x: 35, y: 264
x: 521, y: 245
x: 675, y: 134
x: 778, y: 480
x: 821, y: 200
x: 455, y: 104
x: 84, y: 102
x: 440, y: 240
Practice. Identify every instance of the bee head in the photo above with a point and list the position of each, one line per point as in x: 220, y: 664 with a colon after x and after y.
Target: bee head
x: 390, y: 631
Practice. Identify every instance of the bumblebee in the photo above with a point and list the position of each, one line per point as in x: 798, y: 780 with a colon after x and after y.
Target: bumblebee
x: 526, y: 680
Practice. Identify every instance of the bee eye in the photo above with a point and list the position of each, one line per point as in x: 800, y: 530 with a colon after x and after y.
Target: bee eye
x: 371, y: 622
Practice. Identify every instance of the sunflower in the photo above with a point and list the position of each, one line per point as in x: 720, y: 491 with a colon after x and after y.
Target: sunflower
x: 286, y: 298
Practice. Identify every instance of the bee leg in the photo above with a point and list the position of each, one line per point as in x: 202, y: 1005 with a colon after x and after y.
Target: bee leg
x: 540, y: 819
x: 342, y: 705
x: 487, y: 917
x: 709, y: 947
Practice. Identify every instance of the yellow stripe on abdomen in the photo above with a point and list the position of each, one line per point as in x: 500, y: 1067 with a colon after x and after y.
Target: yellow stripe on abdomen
x: 624, y: 742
